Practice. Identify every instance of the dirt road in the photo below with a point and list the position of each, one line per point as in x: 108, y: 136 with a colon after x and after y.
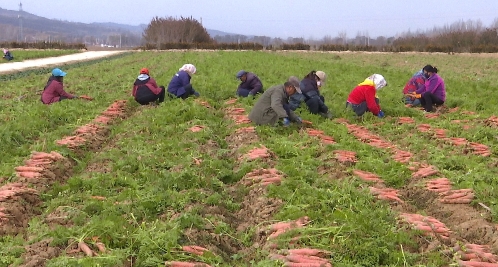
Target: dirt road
x: 54, y: 61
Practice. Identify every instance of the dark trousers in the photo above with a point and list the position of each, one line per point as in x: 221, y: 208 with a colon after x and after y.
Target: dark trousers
x: 317, y: 105
x: 245, y: 92
x: 145, y: 96
x: 428, y: 99
x: 188, y: 92
x: 361, y: 108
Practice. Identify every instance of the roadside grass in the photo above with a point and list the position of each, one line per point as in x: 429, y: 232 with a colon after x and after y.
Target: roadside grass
x: 155, y: 193
x: 21, y: 54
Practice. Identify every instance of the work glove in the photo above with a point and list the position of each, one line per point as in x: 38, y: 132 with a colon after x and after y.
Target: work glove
x: 299, y: 120
x: 196, y: 94
x: 286, y: 122
x: 250, y: 94
x: 381, y: 114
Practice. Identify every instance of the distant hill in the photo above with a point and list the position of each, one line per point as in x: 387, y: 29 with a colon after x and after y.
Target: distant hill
x: 36, y: 28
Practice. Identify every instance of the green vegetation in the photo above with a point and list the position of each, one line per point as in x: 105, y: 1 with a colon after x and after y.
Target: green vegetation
x: 158, y: 199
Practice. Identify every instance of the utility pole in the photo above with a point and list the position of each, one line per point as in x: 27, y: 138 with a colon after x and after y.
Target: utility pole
x: 20, y: 22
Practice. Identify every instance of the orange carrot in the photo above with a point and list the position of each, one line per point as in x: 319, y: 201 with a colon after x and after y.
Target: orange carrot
x: 28, y: 169
x: 192, y: 250
x: 84, y: 247
x: 306, y: 264
x: 307, y: 251
x: 476, y: 264
x: 100, y: 246
x: 305, y: 258
x: 29, y: 175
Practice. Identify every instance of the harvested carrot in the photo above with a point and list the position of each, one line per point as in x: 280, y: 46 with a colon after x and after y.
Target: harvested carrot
x: 29, y: 175
x: 85, y: 248
x: 306, y: 264
x: 28, y: 169
x: 308, y: 252
x: 100, y: 246
x: 194, y: 249
x: 186, y: 264
x: 305, y: 259
x: 476, y: 264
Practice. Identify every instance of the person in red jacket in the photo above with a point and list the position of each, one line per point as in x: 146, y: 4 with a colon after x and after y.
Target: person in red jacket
x: 145, y: 89
x: 54, y: 89
x: 363, y: 98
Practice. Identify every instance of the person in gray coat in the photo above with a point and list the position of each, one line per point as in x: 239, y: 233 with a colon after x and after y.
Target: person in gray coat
x: 273, y: 105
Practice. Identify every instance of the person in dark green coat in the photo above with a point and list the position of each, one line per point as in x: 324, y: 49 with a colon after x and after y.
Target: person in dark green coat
x: 273, y: 105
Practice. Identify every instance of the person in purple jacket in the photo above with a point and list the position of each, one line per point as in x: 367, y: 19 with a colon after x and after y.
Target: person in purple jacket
x: 250, y: 84
x: 434, y: 91
x: 180, y: 86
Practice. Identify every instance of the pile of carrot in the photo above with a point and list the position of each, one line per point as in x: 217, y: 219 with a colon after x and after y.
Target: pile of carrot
x: 240, y: 119
x: 102, y: 119
x: 432, y: 115
x: 368, y: 176
x: 440, y: 133
x: 203, y: 103
x: 250, y: 129
x: 303, y: 257
x: 11, y: 190
x: 458, y: 141
x: 480, y: 149
x: 37, y: 164
x: 236, y: 111
x: 263, y: 177
x: 438, y: 185
x: 425, y: 172
x: 231, y: 101
x: 89, y: 128
x: 459, y: 196
x: 116, y: 109
x: 196, y: 128
x: 282, y: 227
x: 73, y: 141
x: 320, y: 134
x: 424, y: 127
x: 257, y: 153
x: 197, y: 250
x: 492, y: 121
x: 185, y: 264
x: 453, y: 110
x: 366, y: 136
x: 405, y: 120
x: 345, y: 157
x: 386, y: 194
x: 429, y: 225
x: 402, y: 156
x: 473, y: 255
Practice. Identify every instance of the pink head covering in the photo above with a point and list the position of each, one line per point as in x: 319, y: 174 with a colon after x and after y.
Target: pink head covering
x: 5, y: 51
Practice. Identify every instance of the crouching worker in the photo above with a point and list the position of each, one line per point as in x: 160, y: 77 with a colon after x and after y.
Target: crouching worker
x: 363, y: 97
x: 250, y: 84
x: 273, y: 105
x: 180, y: 86
x: 434, y: 92
x: 7, y: 55
x: 145, y: 89
x: 416, y: 83
x: 54, y: 89
x: 311, y: 85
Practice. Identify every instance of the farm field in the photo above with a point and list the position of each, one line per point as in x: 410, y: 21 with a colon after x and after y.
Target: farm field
x: 25, y: 54
x: 112, y: 183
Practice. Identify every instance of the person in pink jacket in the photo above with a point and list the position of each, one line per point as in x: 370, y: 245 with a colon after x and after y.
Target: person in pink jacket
x: 54, y: 90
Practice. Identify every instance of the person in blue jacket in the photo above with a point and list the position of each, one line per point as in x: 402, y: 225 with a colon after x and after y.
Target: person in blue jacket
x: 310, y: 86
x: 180, y: 86
x: 250, y: 84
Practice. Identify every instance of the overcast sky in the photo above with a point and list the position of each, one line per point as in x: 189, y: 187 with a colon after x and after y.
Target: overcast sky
x: 275, y: 18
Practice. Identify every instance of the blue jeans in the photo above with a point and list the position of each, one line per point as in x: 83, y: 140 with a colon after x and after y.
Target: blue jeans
x: 415, y: 102
x: 287, y: 109
x: 361, y: 108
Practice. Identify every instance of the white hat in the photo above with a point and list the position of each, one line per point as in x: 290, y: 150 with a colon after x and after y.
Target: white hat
x: 378, y: 80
